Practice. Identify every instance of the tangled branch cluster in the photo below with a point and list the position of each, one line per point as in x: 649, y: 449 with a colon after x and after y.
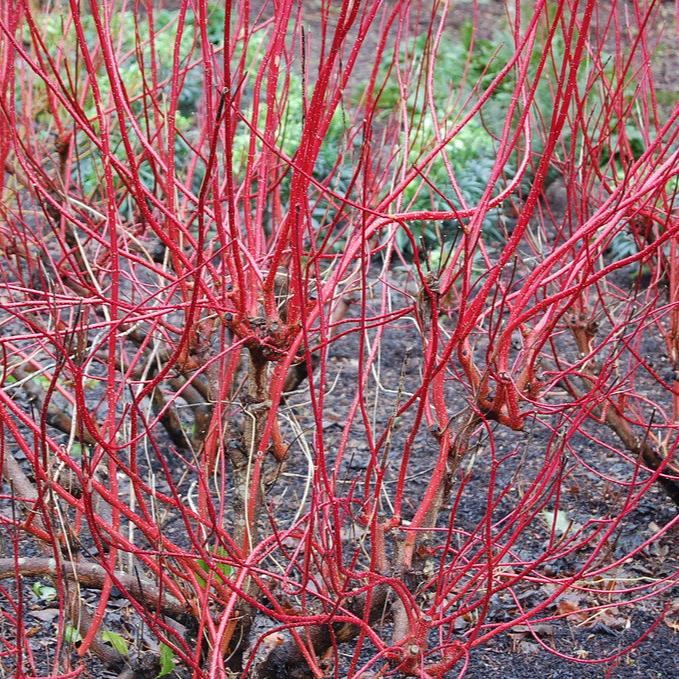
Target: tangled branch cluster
x: 275, y: 377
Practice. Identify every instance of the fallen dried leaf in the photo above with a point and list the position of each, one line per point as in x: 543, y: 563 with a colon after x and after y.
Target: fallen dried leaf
x: 672, y: 617
x: 46, y: 614
x: 571, y: 608
x: 541, y: 629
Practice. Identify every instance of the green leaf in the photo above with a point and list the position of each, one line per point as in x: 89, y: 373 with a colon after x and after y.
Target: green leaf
x: 116, y: 641
x: 72, y: 635
x: 201, y: 581
x: 76, y: 449
x: 43, y: 381
x: 224, y: 569
x: 166, y: 660
x: 560, y: 520
x: 44, y: 592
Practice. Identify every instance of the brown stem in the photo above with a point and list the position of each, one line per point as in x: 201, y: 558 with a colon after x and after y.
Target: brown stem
x: 81, y: 619
x: 584, y: 329
x: 57, y: 417
x: 287, y: 660
x: 652, y: 457
x: 169, y: 419
x: 93, y: 576
x: 241, y: 458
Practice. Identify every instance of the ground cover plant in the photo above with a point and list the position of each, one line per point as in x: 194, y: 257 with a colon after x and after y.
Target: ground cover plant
x: 336, y: 339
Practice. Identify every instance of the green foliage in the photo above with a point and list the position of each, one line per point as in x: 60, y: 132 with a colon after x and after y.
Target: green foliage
x: 131, y: 39
x: 624, y: 243
x: 461, y: 66
x: 45, y: 593
x: 471, y: 153
x: 464, y: 68
x: 76, y: 450
x: 72, y: 635
x: 115, y: 640
x: 225, y: 570
x: 132, y: 44
x: 559, y: 521
x: 167, y: 660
